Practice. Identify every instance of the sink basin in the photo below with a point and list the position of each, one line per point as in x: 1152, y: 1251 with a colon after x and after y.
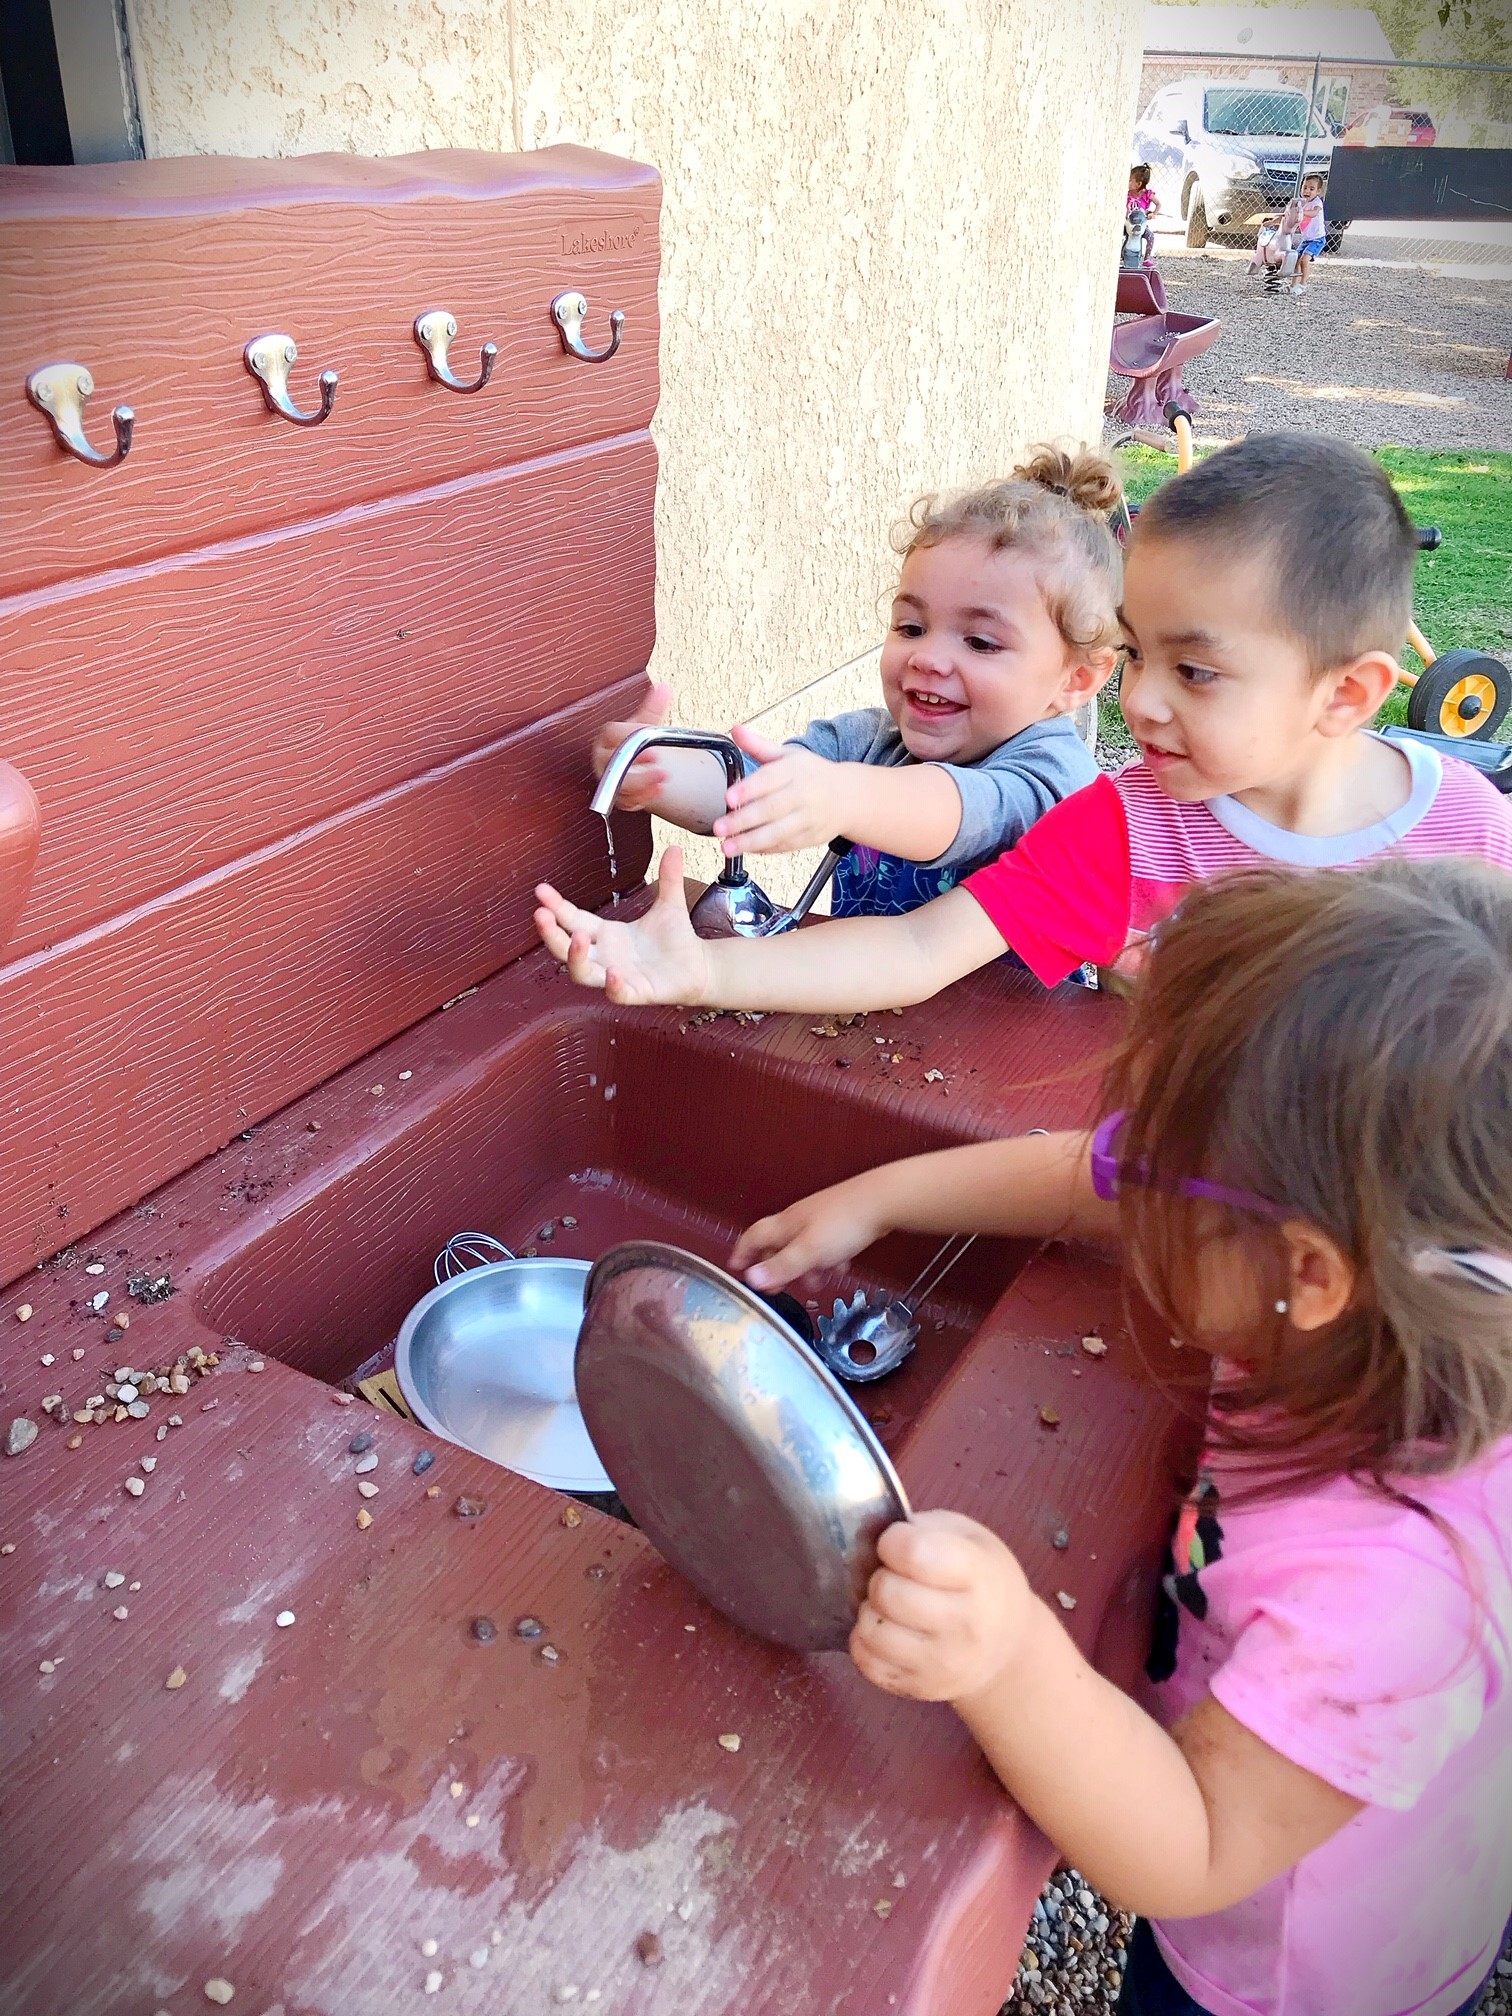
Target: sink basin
x: 587, y: 1129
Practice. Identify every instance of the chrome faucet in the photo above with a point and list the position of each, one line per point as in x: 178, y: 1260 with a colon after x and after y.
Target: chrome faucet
x: 734, y: 906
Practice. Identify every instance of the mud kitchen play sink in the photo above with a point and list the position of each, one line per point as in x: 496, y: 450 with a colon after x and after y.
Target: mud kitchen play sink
x: 298, y: 1700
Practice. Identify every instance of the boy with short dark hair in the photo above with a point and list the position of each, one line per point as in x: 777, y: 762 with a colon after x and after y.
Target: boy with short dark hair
x: 1266, y: 594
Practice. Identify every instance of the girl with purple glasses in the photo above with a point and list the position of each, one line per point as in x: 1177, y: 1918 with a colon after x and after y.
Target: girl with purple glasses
x: 1307, y: 1158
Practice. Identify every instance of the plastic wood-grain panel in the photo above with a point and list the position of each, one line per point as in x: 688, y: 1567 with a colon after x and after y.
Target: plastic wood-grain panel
x: 175, y: 715
x: 156, y: 274
x: 138, y: 1047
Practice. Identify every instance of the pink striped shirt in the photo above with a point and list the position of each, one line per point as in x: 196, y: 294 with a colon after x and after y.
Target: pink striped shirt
x: 1090, y: 880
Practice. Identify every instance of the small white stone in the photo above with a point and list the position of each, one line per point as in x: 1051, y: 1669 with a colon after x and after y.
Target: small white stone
x: 496, y: 1937
x: 405, y: 1077
x: 685, y: 1909
x: 98, y: 1302
x: 24, y: 1313
x: 256, y: 1365
x: 113, y: 1578
x: 48, y: 1359
x: 120, y: 1615
x: 148, y: 1463
x: 48, y: 1666
x: 132, y: 1588
x: 126, y: 1393
x: 433, y: 1981
x: 728, y: 1742
x: 95, y: 1267
x: 592, y: 1995
x: 567, y: 1992
x: 284, y: 1619
x: 135, y: 1486
x: 77, y: 1354
x: 478, y: 1957
x: 1065, y: 1599
x: 217, y: 1990
x: 428, y: 1949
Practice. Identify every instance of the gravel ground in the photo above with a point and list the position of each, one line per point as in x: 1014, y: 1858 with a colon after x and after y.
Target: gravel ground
x: 1074, y: 1957
x: 1371, y: 354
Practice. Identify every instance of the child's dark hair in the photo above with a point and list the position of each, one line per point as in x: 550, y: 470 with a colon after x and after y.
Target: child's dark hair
x: 1053, y: 507
x: 1341, y: 544
x: 1339, y: 1044
x: 1139, y: 175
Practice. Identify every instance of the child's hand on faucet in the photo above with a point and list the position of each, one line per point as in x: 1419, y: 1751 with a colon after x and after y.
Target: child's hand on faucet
x: 796, y: 799
x: 646, y: 778
x: 945, y: 1614
x: 657, y: 958
x: 821, y: 1231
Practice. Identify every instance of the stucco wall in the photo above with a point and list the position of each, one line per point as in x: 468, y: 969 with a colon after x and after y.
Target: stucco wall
x: 889, y: 247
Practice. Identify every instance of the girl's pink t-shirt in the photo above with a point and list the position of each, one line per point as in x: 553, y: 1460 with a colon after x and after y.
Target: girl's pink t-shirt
x: 1089, y: 881
x: 1364, y: 1643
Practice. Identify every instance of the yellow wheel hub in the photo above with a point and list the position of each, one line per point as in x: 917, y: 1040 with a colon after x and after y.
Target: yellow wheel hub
x: 1475, y: 686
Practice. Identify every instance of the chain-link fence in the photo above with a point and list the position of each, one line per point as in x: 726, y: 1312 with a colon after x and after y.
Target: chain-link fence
x: 1415, y: 158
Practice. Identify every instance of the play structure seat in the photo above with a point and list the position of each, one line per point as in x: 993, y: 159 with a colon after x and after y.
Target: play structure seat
x: 1152, y: 348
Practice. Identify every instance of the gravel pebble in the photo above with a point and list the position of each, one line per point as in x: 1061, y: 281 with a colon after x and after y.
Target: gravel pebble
x: 135, y: 1486
x: 422, y: 1462
x: 217, y: 1990
x: 484, y: 1630
x: 20, y: 1435
x: 284, y: 1619
x: 366, y: 1463
x: 367, y: 1490
x: 529, y: 1627
x: 433, y: 1981
x: 360, y: 1444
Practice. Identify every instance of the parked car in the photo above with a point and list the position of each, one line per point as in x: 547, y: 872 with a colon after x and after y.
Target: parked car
x: 1223, y: 155
x: 1390, y: 126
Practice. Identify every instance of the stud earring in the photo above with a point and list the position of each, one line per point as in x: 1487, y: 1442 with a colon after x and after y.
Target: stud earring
x: 1282, y: 1307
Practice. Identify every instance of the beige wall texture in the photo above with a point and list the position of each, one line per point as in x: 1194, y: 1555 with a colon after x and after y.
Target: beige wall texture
x: 889, y: 239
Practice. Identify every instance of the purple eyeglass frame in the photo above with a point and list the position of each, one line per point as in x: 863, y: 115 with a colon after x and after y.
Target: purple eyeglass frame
x: 1108, y: 1173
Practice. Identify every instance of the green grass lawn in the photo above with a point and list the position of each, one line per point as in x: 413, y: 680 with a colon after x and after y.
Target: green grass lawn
x: 1464, y: 590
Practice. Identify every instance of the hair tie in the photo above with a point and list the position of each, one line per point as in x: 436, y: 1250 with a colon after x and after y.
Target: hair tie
x: 1486, y: 1270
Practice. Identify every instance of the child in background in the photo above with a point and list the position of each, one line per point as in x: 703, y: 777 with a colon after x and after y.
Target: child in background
x: 1144, y: 202
x: 1307, y: 1158
x: 1304, y: 221
x: 1003, y: 624
x: 1266, y: 593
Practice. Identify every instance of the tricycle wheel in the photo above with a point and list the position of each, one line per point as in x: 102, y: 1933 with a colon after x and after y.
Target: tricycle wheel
x: 1197, y: 224
x: 1462, y: 693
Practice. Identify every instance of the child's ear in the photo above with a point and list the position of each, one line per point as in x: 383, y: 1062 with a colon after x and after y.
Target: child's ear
x: 1084, y: 677
x: 1357, y: 691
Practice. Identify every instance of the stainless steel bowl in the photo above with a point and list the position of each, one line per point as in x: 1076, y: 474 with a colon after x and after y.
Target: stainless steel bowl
x: 486, y: 1360
x: 745, y: 1463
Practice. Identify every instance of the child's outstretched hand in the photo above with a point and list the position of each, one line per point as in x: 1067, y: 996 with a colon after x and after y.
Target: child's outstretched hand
x: 794, y: 800
x: 824, y: 1230
x: 655, y: 959
x: 646, y: 778
x: 946, y: 1612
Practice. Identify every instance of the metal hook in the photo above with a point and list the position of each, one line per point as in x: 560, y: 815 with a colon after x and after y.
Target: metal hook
x: 434, y: 331
x: 59, y: 391
x: 569, y: 311
x: 268, y: 358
